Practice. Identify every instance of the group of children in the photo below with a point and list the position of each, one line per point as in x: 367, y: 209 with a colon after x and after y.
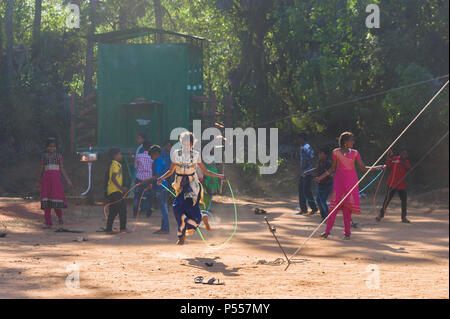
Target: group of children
x: 149, y: 165
x: 340, y: 178
x: 155, y: 165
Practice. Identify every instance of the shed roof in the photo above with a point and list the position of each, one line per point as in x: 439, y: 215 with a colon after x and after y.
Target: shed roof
x: 116, y: 36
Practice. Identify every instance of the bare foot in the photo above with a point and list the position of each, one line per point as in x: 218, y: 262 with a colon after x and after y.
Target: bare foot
x: 206, y: 222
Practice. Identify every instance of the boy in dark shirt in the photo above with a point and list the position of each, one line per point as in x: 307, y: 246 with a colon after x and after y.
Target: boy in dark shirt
x: 326, y: 185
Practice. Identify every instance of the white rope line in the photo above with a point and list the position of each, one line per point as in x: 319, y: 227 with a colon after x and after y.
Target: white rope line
x: 415, y: 166
x: 375, y: 163
x: 422, y: 158
x: 356, y: 99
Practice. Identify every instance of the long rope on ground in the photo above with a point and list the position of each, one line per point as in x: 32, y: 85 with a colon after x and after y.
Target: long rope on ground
x: 139, y: 206
x: 117, y: 201
x: 365, y: 174
x: 356, y: 99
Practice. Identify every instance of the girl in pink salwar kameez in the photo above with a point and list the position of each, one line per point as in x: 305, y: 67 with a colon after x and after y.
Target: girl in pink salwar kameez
x: 345, y: 178
x: 50, y: 184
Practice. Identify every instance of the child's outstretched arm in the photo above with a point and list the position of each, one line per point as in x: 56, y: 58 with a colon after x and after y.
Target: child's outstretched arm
x: 310, y: 171
x: 329, y: 172
x: 64, y: 173
x: 208, y: 172
x: 365, y: 168
x: 166, y: 174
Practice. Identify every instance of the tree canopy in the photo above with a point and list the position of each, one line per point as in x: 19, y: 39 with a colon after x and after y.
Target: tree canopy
x: 285, y: 62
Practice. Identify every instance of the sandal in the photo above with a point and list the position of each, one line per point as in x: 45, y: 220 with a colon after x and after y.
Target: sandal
x: 198, y: 280
x: 180, y: 240
x: 324, y: 235
x: 213, y: 281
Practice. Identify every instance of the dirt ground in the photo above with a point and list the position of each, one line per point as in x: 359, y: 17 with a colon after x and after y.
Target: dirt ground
x: 410, y: 260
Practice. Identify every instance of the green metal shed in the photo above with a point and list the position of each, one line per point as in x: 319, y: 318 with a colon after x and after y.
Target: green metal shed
x: 145, y: 87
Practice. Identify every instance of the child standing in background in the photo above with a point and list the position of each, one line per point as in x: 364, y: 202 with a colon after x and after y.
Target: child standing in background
x: 49, y: 181
x: 326, y: 185
x: 166, y: 154
x: 140, y: 139
x: 159, y: 168
x: 143, y: 164
x: 115, y: 193
x: 345, y: 178
x: 399, y: 166
x: 304, y: 185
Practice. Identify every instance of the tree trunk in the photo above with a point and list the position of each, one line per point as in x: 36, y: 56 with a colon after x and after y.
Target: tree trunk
x: 36, y: 28
x: 9, y: 40
x: 89, y: 71
x: 1, y: 39
x: 158, y: 20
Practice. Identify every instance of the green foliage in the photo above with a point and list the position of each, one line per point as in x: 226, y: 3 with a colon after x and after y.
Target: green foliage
x: 285, y: 62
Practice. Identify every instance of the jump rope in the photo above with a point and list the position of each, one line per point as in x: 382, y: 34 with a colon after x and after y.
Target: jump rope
x: 174, y: 195
x: 381, y: 173
x: 198, y: 228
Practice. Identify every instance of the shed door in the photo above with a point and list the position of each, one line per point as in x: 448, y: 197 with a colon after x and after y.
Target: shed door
x: 143, y: 118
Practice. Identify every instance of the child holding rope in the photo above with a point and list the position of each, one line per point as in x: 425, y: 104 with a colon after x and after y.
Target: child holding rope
x: 345, y: 178
x: 399, y: 167
x: 115, y: 193
x: 49, y: 181
x: 187, y: 187
x: 140, y: 139
x: 325, y: 185
x: 143, y: 196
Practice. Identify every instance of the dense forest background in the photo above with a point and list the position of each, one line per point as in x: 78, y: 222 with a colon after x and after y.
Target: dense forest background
x: 287, y: 63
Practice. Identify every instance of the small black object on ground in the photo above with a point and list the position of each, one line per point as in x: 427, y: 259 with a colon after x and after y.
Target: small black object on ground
x: 2, y: 235
x: 259, y: 211
x: 64, y: 230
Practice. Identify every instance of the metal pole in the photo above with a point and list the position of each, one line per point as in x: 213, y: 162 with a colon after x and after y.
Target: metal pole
x: 272, y: 229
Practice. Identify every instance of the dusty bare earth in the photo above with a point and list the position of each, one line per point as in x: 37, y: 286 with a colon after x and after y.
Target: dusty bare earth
x: 412, y: 261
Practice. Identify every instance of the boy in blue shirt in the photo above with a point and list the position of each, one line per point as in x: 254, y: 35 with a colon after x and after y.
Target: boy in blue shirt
x: 159, y: 168
x: 304, y: 186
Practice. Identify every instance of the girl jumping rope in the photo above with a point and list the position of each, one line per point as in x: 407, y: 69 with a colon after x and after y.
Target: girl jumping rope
x: 345, y: 178
x: 187, y: 186
x: 49, y: 181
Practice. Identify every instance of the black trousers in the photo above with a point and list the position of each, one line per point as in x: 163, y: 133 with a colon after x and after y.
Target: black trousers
x: 305, y: 194
x: 390, y: 194
x: 119, y: 208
